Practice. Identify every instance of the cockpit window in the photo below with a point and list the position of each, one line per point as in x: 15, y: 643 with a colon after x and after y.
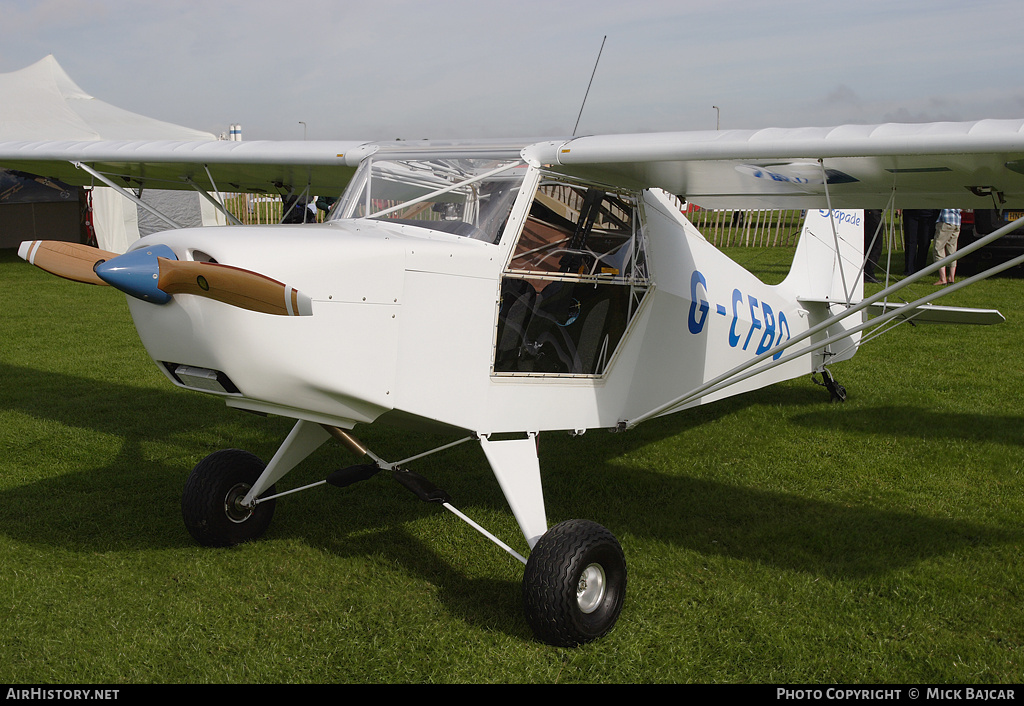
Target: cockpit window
x: 581, y: 231
x: 576, y: 278
x: 466, y: 197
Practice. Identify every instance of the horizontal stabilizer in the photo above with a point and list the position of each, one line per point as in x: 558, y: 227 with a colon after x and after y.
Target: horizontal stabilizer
x: 933, y: 314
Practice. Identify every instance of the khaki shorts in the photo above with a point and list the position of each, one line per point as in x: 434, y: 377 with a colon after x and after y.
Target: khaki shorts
x: 946, y: 236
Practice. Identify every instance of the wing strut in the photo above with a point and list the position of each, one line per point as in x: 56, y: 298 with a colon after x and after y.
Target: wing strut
x: 127, y: 194
x: 890, y: 207
x: 217, y: 202
x: 835, y: 231
x: 726, y: 378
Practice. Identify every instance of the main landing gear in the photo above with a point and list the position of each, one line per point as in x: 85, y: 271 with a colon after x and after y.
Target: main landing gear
x: 212, y: 504
x: 574, y: 584
x: 574, y: 581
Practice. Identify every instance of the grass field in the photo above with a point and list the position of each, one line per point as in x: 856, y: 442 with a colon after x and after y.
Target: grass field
x: 771, y: 538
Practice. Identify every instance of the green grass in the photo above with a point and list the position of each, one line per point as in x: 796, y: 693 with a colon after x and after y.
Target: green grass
x: 771, y: 538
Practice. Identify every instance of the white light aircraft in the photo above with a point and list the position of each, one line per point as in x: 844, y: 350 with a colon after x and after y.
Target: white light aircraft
x: 502, y: 289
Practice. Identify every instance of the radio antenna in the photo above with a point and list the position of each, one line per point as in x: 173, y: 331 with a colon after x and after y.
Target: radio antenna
x: 588, y: 85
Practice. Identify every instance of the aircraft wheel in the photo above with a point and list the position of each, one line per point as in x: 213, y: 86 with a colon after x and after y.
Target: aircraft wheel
x: 211, y: 504
x: 574, y: 584
x: 840, y: 394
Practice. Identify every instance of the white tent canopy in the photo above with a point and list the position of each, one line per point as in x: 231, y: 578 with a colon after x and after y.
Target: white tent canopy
x: 41, y: 102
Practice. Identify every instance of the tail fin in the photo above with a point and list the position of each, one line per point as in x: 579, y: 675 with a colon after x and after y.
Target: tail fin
x: 828, y: 274
x: 828, y: 265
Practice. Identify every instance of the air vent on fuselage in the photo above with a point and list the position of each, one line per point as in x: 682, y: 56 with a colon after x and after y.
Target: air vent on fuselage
x: 200, y: 256
x: 202, y: 379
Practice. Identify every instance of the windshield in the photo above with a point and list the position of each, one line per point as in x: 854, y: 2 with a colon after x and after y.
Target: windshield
x: 467, y: 197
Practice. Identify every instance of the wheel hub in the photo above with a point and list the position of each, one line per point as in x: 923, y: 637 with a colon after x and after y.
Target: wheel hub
x: 233, y: 507
x: 591, y: 588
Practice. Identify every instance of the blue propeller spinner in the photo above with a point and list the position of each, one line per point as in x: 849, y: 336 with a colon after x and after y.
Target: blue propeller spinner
x: 137, y: 273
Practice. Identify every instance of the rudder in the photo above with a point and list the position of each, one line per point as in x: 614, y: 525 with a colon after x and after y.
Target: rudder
x: 828, y: 274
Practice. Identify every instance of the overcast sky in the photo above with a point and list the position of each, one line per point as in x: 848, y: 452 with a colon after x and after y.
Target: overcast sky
x: 385, y: 69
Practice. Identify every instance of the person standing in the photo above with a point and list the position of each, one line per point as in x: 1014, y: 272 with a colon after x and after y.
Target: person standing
x: 947, y: 231
x: 872, y: 242
x: 918, y: 227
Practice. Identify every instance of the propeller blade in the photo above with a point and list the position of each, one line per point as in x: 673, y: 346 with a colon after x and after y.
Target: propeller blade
x: 72, y: 261
x: 154, y: 274
x: 233, y: 285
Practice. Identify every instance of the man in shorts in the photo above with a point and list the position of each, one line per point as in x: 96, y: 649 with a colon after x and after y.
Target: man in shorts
x: 947, y: 230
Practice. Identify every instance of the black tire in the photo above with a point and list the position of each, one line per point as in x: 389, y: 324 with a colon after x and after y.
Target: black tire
x: 556, y: 609
x: 208, y: 506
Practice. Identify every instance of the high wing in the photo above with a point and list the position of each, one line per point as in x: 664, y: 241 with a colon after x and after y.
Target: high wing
x: 257, y: 166
x: 976, y: 164
x: 929, y: 165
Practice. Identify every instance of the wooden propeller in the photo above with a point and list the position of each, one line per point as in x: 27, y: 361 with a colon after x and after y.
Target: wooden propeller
x: 154, y: 274
x: 72, y: 261
x: 232, y: 285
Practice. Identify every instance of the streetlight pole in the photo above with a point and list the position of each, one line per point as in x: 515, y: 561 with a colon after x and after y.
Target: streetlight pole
x: 718, y: 117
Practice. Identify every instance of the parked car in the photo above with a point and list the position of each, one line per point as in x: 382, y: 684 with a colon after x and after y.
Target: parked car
x: 980, y: 222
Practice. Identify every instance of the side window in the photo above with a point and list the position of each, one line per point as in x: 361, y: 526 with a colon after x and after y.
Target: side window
x: 576, y: 277
x: 576, y: 230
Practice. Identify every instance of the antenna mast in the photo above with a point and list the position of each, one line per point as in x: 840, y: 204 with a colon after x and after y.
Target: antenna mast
x: 588, y: 85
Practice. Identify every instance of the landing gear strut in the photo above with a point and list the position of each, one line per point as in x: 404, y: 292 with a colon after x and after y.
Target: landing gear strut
x: 574, y: 583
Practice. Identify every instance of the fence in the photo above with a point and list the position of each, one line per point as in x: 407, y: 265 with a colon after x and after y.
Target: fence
x: 747, y: 228
x: 723, y: 228
x: 261, y: 209
x: 767, y: 228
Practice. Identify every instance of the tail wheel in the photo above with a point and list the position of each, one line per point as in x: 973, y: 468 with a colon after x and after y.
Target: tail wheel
x: 574, y: 584
x: 837, y: 393
x: 211, y: 504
